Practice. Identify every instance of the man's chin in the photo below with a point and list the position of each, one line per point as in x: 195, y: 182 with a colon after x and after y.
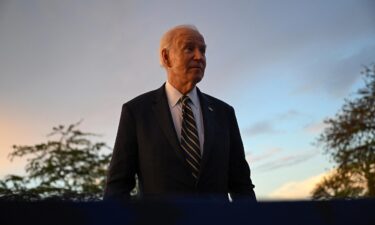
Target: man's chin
x: 197, y: 77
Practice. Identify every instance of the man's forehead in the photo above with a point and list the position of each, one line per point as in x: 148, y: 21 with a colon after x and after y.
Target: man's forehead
x: 189, y: 36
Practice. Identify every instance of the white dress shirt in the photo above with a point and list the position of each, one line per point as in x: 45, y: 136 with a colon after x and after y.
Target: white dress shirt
x: 173, y: 95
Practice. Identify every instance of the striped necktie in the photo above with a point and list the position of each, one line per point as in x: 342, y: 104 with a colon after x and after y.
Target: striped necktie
x: 189, y: 137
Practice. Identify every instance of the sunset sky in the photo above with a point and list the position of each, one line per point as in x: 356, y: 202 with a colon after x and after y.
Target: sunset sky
x: 284, y: 66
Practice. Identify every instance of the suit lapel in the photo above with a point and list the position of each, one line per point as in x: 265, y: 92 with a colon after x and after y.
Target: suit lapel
x: 208, y: 112
x: 163, y: 116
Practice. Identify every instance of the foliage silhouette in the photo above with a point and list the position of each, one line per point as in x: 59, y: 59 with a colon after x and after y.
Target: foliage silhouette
x: 349, y: 139
x: 70, y: 167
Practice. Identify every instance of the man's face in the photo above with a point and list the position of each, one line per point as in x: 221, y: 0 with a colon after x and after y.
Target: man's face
x: 187, y: 57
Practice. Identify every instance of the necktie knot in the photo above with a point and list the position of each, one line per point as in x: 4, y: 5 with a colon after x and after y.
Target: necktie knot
x: 185, y: 100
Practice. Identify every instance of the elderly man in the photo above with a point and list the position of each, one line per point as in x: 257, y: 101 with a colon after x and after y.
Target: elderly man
x: 179, y: 141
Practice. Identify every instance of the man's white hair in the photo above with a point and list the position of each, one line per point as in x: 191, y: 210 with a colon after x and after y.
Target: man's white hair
x: 168, y: 38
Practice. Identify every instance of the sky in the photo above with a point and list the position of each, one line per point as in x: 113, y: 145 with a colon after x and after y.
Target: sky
x: 285, y: 66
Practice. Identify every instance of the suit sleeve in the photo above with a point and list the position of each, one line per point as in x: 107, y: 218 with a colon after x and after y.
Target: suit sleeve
x: 240, y: 184
x: 124, y: 162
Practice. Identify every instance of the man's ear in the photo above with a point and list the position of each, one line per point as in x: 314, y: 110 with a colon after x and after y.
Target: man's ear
x: 165, y: 57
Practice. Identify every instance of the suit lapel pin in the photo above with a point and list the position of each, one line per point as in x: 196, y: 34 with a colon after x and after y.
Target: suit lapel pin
x: 211, y: 109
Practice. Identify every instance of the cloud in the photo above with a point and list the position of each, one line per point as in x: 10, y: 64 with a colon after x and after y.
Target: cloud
x: 265, y: 155
x: 316, y: 46
x: 263, y: 127
x: 291, y: 114
x: 285, y: 161
x: 297, y: 189
x: 268, y: 126
x: 315, y: 128
x: 334, y: 75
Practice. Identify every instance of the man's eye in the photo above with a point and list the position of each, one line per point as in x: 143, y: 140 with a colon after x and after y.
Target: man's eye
x: 189, y: 49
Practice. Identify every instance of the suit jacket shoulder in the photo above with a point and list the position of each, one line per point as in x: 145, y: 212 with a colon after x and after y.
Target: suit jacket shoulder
x: 215, y: 101
x: 221, y: 108
x: 143, y: 99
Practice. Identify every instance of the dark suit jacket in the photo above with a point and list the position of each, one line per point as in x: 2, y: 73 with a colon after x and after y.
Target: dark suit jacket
x: 147, y: 145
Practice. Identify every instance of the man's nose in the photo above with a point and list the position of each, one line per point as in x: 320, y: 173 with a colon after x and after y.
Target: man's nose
x: 198, y: 55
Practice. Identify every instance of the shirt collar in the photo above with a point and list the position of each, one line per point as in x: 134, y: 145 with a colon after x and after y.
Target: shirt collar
x: 174, y: 95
